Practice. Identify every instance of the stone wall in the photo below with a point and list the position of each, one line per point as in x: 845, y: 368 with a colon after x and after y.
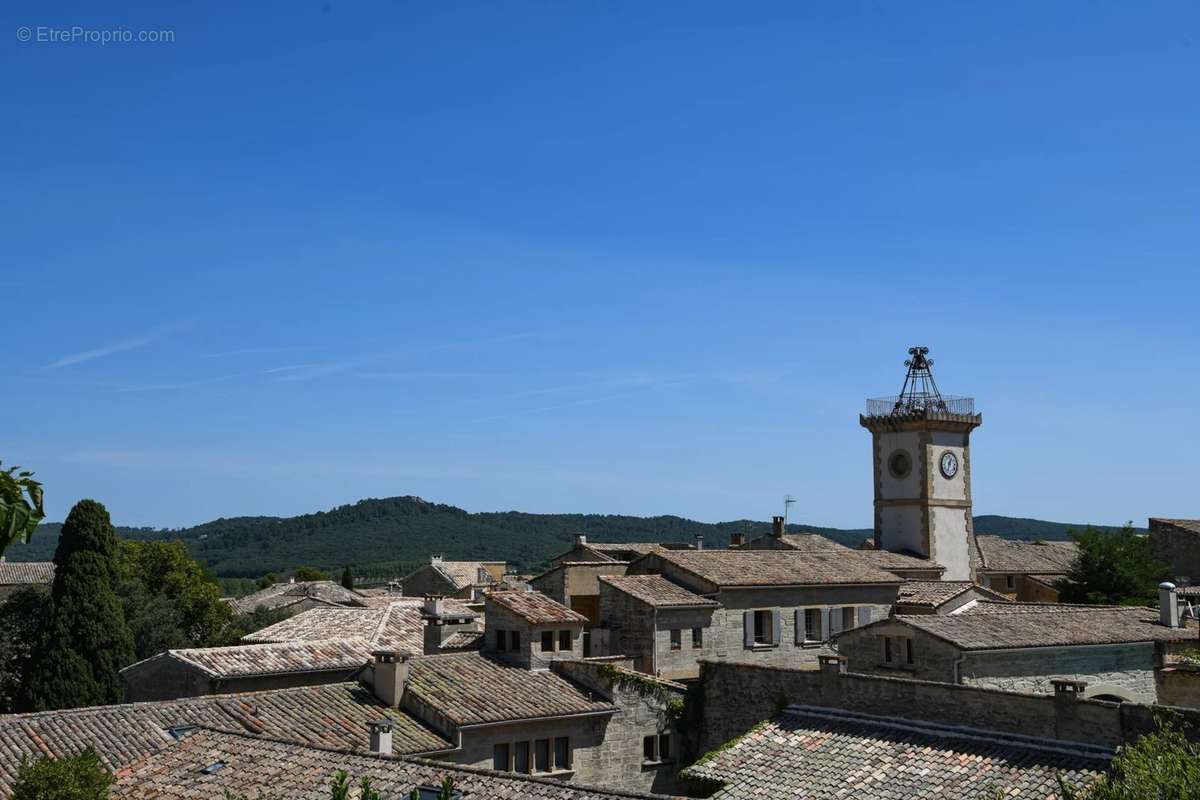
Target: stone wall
x: 1179, y: 685
x: 428, y: 580
x: 1178, y: 548
x: 529, y: 654
x: 735, y: 697
x: 1125, y: 671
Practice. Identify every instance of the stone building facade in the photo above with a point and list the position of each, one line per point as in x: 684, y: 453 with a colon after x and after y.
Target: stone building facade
x: 663, y: 628
x: 1177, y: 544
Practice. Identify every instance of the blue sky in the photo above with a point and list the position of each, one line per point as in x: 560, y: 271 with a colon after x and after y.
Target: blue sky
x: 599, y: 257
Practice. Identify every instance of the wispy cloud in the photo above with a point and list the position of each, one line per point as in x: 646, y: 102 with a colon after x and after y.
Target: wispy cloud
x: 165, y: 387
x: 101, y: 352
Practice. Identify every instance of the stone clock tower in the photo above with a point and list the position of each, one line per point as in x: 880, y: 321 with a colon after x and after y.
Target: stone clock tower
x: 921, y: 443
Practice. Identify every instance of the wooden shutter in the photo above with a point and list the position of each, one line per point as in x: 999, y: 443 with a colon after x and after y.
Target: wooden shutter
x: 776, y: 627
x: 835, y: 621
x: 825, y: 615
x: 864, y: 615
x: 799, y: 626
x: 748, y: 628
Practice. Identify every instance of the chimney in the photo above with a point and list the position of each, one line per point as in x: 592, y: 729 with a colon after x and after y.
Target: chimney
x: 777, y: 526
x: 482, y: 575
x: 736, y: 540
x: 433, y: 605
x: 292, y: 579
x: 580, y: 539
x: 435, y: 559
x: 699, y: 541
x: 1168, y: 605
x: 832, y: 665
x: 381, y: 736
x: 391, y: 676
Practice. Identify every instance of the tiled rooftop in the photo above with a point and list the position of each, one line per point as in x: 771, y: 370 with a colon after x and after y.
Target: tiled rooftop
x: 261, y: 768
x: 828, y: 754
x: 17, y: 573
x: 997, y: 554
x: 460, y: 573
x: 1075, y: 625
x: 933, y: 593
x: 1191, y: 525
x: 775, y: 567
x: 471, y: 688
x: 885, y: 559
x: 812, y: 542
x: 535, y: 607
x: 280, y: 595
x: 657, y: 591
x: 331, y: 715
x: 248, y: 660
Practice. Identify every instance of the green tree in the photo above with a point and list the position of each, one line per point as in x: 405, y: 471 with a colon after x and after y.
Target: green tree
x: 20, y: 506
x: 1162, y: 765
x: 22, y: 617
x: 168, y: 598
x: 80, y: 777
x: 268, y: 580
x: 85, y: 641
x: 347, y: 579
x: 310, y: 574
x: 1118, y: 568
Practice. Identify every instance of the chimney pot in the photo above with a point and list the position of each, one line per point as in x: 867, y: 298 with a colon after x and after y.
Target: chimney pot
x: 737, y: 539
x: 391, y: 676
x: 1168, y: 605
x: 777, y: 526
x: 381, y: 736
x: 699, y: 541
x: 580, y: 539
x: 433, y: 605
x: 832, y: 665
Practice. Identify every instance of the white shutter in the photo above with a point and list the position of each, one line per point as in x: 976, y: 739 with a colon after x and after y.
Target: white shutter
x: 825, y: 615
x: 776, y: 627
x: 864, y: 615
x: 748, y: 628
x: 799, y: 626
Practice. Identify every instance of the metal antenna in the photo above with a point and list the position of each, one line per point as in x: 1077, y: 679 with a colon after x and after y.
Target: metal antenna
x: 920, y: 391
x: 787, y: 502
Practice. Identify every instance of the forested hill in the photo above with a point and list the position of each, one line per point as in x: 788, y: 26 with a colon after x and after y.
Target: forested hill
x: 394, y: 532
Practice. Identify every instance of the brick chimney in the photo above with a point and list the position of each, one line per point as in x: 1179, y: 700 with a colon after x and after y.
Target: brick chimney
x: 736, y: 540
x: 777, y: 526
x: 380, y: 732
x: 699, y: 541
x: 391, y: 676
x: 1168, y: 605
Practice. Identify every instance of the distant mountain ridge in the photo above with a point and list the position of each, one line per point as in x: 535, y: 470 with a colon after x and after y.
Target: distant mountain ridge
x: 393, y: 533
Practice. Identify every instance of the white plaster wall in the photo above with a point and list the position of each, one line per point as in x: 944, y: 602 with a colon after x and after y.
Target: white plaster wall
x: 901, y: 528
x: 947, y: 489
x: 950, y: 546
x: 890, y: 488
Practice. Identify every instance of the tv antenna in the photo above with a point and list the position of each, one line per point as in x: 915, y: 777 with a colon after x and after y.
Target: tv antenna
x: 787, y: 503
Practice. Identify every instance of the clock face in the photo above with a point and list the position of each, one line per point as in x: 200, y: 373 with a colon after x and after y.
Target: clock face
x: 949, y: 464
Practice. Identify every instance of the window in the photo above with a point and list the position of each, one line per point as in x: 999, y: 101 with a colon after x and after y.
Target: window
x: 521, y: 758
x: 500, y: 758
x: 762, y: 627
x: 897, y: 650
x: 697, y: 638
x: 887, y: 649
x: 1010, y: 582
x: 564, y: 640
x: 847, y: 618
x: 676, y: 639
x: 547, y: 641
x: 541, y: 755
x: 501, y: 641
x: 514, y: 640
x: 812, y: 625
x: 908, y: 651
x: 656, y: 749
x: 562, y: 752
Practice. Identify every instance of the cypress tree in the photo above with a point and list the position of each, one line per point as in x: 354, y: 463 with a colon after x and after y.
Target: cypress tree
x: 348, y: 579
x: 86, y: 641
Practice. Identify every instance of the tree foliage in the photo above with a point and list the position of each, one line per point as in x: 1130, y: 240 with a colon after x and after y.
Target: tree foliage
x: 310, y: 574
x: 1162, y: 765
x: 348, y: 579
x: 168, y: 599
x: 22, y: 617
x: 85, y: 641
x: 20, y: 506
x: 80, y: 777
x: 1113, y: 568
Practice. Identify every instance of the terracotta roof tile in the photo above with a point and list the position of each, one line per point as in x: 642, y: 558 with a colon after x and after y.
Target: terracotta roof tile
x: 657, y: 591
x: 997, y: 554
x: 535, y: 607
x: 885, y: 559
x: 1190, y: 525
x: 17, y: 573
x: 828, y: 754
x: 980, y: 630
x: 265, y: 768
x: 934, y: 593
x: 775, y: 567
x: 277, y: 658
x: 330, y: 715
x: 280, y: 595
x: 471, y: 688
